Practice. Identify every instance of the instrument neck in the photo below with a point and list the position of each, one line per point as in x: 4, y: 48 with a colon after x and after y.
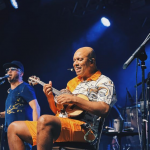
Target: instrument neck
x: 55, y: 91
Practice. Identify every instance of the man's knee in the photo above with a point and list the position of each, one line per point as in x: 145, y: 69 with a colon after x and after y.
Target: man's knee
x: 49, y: 122
x: 45, y: 120
x: 12, y: 129
x: 20, y: 130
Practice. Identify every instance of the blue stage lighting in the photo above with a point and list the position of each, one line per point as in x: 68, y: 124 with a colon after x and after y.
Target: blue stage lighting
x: 105, y: 22
x: 14, y: 4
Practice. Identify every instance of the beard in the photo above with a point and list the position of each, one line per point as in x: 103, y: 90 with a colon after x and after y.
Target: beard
x: 14, y: 79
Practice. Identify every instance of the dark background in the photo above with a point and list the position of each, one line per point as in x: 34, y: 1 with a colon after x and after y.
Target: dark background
x: 44, y: 34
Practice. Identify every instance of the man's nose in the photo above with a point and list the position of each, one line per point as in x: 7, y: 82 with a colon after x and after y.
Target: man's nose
x: 75, y: 63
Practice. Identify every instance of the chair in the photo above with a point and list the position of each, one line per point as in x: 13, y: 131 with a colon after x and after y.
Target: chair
x: 81, y: 145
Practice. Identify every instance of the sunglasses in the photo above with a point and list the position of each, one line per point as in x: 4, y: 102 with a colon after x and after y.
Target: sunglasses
x: 12, y: 69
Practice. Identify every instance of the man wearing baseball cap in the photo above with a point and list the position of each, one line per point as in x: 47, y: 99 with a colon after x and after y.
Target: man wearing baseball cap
x: 21, y: 103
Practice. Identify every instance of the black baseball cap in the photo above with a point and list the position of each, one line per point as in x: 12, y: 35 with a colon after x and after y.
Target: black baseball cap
x: 14, y: 63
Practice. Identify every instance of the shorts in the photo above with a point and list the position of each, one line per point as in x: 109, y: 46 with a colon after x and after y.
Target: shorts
x: 70, y: 130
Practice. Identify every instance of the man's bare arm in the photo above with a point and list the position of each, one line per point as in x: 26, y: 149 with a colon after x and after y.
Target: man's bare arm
x: 36, y: 109
x: 97, y: 108
x: 2, y: 114
x: 47, y: 89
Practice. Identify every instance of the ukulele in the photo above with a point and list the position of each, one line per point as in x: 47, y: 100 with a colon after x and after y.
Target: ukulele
x: 71, y: 109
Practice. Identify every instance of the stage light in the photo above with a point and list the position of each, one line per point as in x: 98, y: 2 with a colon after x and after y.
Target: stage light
x: 105, y: 22
x: 14, y: 4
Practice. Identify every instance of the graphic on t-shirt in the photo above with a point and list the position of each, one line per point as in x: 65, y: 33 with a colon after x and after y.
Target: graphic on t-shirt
x: 16, y: 107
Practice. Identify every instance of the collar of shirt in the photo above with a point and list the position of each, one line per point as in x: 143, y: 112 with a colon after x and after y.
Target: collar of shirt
x: 94, y: 77
x: 77, y: 80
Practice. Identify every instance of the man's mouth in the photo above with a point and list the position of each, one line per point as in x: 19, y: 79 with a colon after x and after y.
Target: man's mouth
x: 78, y: 69
x: 10, y: 76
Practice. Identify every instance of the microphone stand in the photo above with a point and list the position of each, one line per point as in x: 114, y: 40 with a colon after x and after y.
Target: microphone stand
x: 148, y: 100
x: 140, y: 53
x: 2, y: 82
x: 143, y: 103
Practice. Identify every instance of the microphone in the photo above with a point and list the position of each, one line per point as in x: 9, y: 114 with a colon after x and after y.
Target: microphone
x: 139, y: 51
x: 6, y: 76
x: 71, y: 69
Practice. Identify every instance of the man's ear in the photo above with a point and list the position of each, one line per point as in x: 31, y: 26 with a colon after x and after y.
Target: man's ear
x: 21, y: 73
x: 92, y: 60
